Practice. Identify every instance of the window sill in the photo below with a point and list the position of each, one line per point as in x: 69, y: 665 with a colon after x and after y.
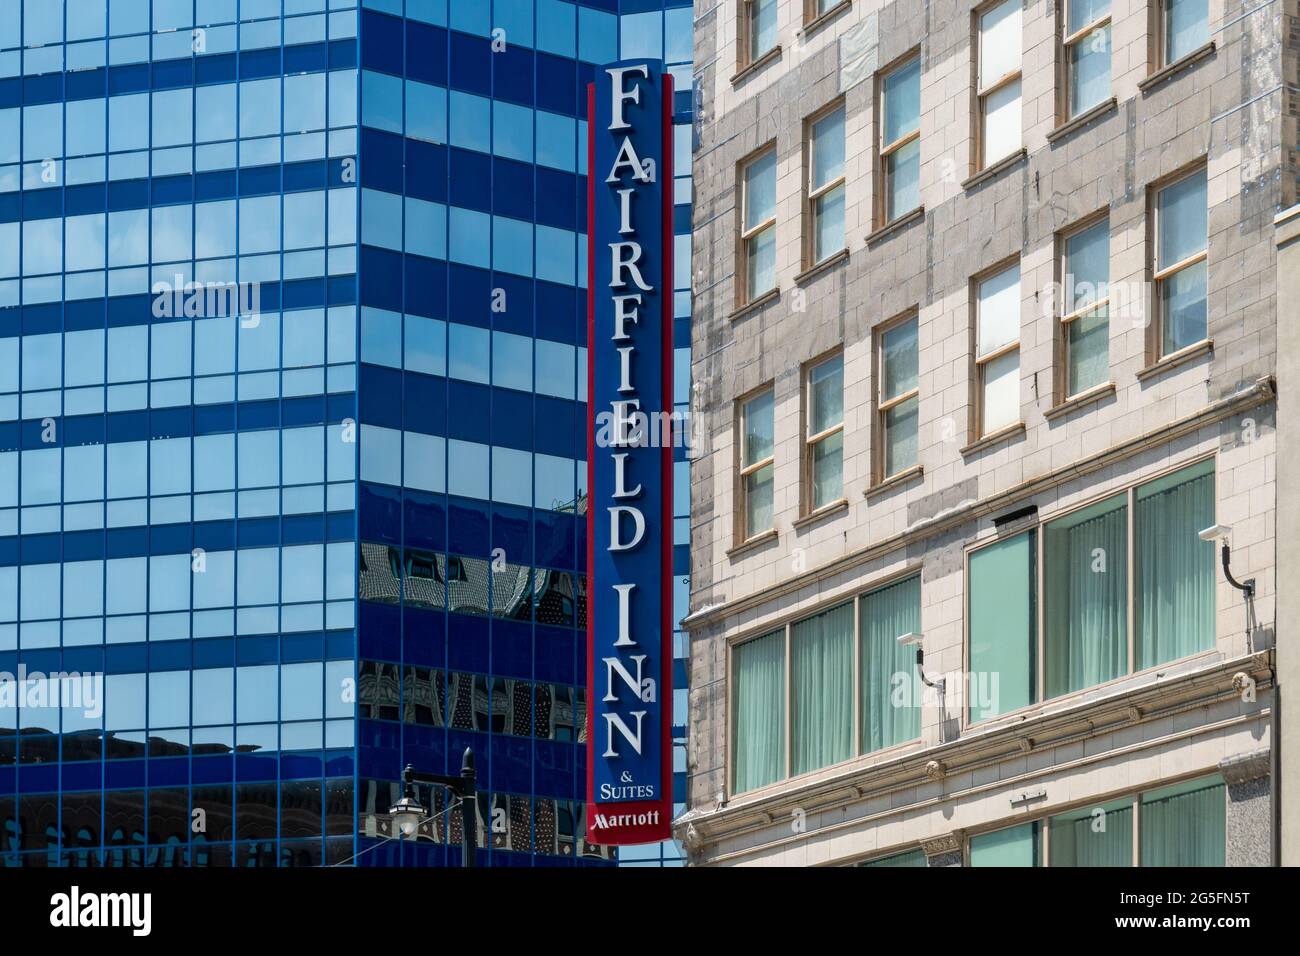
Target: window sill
x: 1083, y: 119
x: 1182, y: 63
x: 815, y: 24
x: 752, y: 544
x: 814, y: 271
x: 771, y: 295
x: 1075, y: 402
x: 1175, y: 359
x: 994, y: 438
x: 1001, y: 166
x: 889, y: 228
x: 825, y: 511
x: 749, y: 69
x: 893, y: 481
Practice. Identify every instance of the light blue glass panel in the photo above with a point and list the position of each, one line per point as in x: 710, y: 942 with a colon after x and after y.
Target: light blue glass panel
x: 515, y: 18
x: 556, y: 27
x: 381, y: 101
x: 469, y: 234
x: 512, y: 131
x: 470, y: 125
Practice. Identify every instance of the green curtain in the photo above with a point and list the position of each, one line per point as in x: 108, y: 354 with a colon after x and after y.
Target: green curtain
x: 1014, y: 846
x: 891, y: 691
x: 1002, y: 627
x: 1184, y: 826
x: 1175, y: 569
x: 910, y: 858
x: 1091, y: 838
x: 1087, y: 598
x: 758, y: 722
x: 821, y: 689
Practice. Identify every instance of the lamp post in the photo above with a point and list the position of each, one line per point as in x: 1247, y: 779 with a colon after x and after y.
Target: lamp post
x: 408, y: 813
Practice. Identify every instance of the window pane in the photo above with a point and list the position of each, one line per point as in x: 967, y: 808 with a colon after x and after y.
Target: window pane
x: 1083, y: 12
x: 1087, y: 597
x: 902, y: 91
x: 828, y: 470
x: 1001, y: 622
x: 891, y: 693
x: 821, y: 690
x: 828, y: 149
x: 761, y: 267
x: 1087, y: 266
x: 762, y: 27
x: 760, y: 190
x: 758, y: 428
x: 900, y: 437
x: 1185, y: 827
x: 1000, y: 42
x: 1182, y: 307
x: 1015, y: 846
x: 1090, y: 71
x: 999, y: 310
x: 1187, y: 27
x: 1096, y: 836
x: 900, y: 358
x: 758, y: 501
x: 1001, y: 392
x: 1175, y: 568
x: 1002, y: 122
x: 908, y: 859
x: 1087, y: 351
x: 829, y: 236
x: 1183, y: 217
x: 826, y: 395
x: 759, y: 712
x: 903, y: 172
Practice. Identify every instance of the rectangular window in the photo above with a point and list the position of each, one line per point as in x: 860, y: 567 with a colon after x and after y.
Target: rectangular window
x: 884, y: 616
x: 1086, y: 42
x: 825, y: 148
x: 997, y: 352
x: 1105, y: 614
x: 756, y: 465
x: 1179, y: 825
x: 758, y: 715
x: 757, y: 29
x: 824, y: 450
x: 1180, y: 268
x: 909, y: 859
x: 897, y: 398
x: 900, y: 141
x: 1002, y: 626
x: 757, y: 265
x: 1184, y: 28
x: 998, y: 82
x: 796, y: 693
x: 821, y: 690
x: 1085, y: 302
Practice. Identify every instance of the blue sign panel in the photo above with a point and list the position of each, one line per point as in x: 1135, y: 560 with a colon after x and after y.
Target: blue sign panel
x: 629, y: 516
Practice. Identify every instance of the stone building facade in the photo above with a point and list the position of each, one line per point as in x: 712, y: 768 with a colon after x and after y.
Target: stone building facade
x: 985, y: 337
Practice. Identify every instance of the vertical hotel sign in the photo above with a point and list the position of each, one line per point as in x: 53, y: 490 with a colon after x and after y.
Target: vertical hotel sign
x: 629, y: 454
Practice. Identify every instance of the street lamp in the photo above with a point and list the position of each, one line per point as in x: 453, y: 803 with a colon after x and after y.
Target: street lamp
x: 408, y: 813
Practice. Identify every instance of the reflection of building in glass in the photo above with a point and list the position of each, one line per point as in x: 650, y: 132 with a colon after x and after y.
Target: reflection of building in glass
x: 306, y: 546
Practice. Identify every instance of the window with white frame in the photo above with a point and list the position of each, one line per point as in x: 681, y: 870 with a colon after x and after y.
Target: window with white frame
x: 997, y: 352
x: 1085, y: 300
x: 898, y: 397
x: 998, y: 85
x: 826, y: 185
x: 824, y: 442
x: 900, y: 141
x: 1086, y: 41
x: 756, y: 465
x: 1181, y: 226
x: 757, y: 264
x: 1184, y: 28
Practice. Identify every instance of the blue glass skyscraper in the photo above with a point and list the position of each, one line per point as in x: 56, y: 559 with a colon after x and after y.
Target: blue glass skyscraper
x: 292, y: 423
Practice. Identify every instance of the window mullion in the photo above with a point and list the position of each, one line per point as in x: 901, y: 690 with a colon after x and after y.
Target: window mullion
x: 1132, y: 579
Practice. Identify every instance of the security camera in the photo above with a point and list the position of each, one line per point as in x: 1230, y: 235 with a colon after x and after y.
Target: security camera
x: 1218, y: 532
x: 910, y: 639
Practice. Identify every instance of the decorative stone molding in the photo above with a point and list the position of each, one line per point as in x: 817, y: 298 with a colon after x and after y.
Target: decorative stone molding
x: 943, y: 845
x: 1246, y: 767
x: 935, y: 769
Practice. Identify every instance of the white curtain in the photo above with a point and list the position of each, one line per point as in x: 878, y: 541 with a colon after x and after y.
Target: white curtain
x: 758, y: 721
x: 821, y: 689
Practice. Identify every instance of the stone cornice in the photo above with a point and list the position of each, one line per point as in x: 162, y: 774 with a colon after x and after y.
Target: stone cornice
x: 1257, y: 393
x: 1053, y: 724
